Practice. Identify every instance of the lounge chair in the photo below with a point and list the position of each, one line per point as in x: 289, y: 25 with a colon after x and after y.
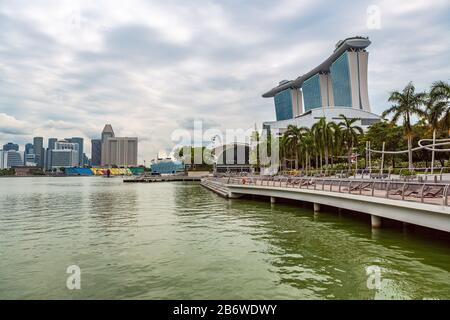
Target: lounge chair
x: 308, y: 183
x: 361, y: 186
x: 412, y: 192
x: 430, y: 192
x: 395, y: 192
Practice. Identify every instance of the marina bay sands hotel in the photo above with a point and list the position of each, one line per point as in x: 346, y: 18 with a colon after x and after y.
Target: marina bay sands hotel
x: 336, y: 86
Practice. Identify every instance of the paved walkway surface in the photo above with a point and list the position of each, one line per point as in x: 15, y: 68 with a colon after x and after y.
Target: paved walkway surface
x: 432, y: 193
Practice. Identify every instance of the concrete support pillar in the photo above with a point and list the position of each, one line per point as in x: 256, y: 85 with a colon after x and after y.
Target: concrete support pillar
x: 375, y: 221
x: 273, y: 200
x: 316, y: 207
x: 232, y: 195
x: 405, y: 227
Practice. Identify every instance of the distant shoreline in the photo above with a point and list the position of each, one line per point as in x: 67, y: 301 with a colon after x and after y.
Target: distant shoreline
x: 44, y: 176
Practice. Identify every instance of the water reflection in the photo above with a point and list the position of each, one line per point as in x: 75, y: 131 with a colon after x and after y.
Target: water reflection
x: 180, y: 241
x: 326, y: 255
x: 114, y: 208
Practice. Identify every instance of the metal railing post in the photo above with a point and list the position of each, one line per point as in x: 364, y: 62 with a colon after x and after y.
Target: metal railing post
x: 387, y: 189
x: 445, y: 194
x: 421, y: 192
x: 403, y: 191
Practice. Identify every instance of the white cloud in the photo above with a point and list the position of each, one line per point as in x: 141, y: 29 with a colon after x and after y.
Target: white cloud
x: 69, y: 67
x: 11, y: 126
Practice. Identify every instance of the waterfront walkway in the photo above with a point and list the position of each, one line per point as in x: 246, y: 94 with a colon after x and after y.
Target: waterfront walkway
x: 424, y: 204
x: 170, y: 178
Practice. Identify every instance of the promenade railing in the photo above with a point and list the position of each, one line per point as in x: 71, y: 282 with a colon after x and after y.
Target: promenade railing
x: 402, y: 174
x: 423, y: 192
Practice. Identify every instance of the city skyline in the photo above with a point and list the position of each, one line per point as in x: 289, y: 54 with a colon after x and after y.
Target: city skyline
x: 213, y: 62
x: 108, y: 151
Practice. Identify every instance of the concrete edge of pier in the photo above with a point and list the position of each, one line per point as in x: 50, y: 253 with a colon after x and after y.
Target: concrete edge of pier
x: 423, y: 214
x: 216, y: 187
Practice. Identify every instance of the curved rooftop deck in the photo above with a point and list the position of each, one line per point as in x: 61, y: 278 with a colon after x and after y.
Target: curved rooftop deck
x: 356, y: 43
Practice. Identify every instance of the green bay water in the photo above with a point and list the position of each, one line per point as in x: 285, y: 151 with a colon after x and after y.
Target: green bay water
x: 180, y: 241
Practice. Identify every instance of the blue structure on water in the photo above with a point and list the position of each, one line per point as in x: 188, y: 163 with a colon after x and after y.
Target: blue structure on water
x: 78, y: 172
x: 167, y: 167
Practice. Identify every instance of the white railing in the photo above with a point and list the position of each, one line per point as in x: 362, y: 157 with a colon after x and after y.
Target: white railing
x: 431, y: 193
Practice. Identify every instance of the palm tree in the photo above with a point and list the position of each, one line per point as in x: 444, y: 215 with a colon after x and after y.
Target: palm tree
x: 350, y: 134
x: 307, y: 147
x: 336, y: 146
x: 323, y: 133
x: 434, y: 112
x: 316, y: 133
x: 290, y: 142
x: 440, y: 94
x: 407, y: 104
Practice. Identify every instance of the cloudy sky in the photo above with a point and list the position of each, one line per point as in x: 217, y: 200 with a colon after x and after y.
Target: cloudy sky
x: 150, y: 67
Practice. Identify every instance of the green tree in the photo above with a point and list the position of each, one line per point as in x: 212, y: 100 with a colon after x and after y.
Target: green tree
x: 440, y: 94
x: 406, y: 104
x: 350, y: 135
x: 307, y: 147
x: 336, y: 148
x: 323, y: 132
x: 389, y: 133
x: 290, y: 142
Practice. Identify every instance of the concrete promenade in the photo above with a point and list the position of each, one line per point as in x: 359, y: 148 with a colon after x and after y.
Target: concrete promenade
x: 423, y: 204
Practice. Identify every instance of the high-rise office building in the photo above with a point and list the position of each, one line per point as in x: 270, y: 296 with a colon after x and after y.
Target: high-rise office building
x: 107, y: 132
x: 10, y: 159
x: 10, y: 146
x: 52, y: 143
x: 29, y: 148
x: 29, y: 160
x: 38, y: 146
x: 96, y: 152
x: 65, y: 154
x: 86, y: 160
x: 118, y: 151
x: 2, y: 159
x: 51, y: 146
x: 80, y: 142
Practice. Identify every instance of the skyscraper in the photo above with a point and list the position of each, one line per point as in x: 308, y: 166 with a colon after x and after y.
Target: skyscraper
x: 96, y: 152
x: 38, y: 146
x: 10, y: 146
x: 51, y: 146
x: 86, y: 160
x: 65, y: 154
x: 52, y: 143
x: 118, y: 151
x: 10, y: 159
x: 80, y: 142
x: 107, y: 132
x: 29, y: 148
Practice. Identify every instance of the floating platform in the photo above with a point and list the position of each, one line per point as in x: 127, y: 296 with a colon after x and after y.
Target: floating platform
x: 149, y: 179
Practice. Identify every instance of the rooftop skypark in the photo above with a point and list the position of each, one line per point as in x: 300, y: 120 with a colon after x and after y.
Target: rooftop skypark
x: 337, y: 86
